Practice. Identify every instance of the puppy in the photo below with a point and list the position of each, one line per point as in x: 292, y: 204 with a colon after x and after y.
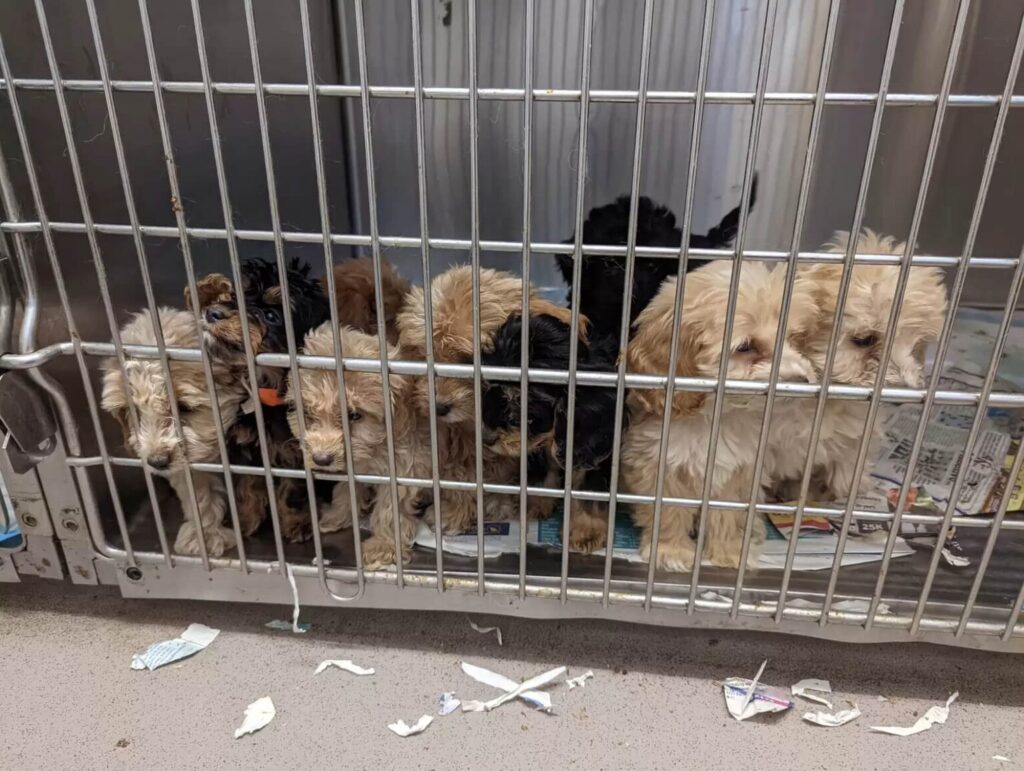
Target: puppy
x: 858, y: 353
x: 356, y: 297
x: 325, y: 441
x: 154, y: 439
x: 547, y: 411
x: 602, y: 277
x: 699, y: 355
x: 452, y: 305
x: 223, y: 330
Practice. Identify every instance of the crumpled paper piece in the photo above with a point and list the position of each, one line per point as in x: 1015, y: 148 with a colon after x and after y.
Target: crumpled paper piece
x: 486, y: 630
x: 447, y: 703
x: 746, y: 698
x: 833, y: 720
x: 400, y: 727
x: 345, y: 664
x: 579, y: 681
x: 297, y: 628
x: 813, y: 690
x: 518, y: 690
x: 538, y: 699
x: 192, y: 640
x: 934, y: 715
x: 257, y: 715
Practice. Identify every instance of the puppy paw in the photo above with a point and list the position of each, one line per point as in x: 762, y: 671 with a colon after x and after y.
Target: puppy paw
x: 218, y: 540
x: 586, y: 538
x: 677, y: 558
x: 335, y: 516
x: 296, y: 528
x: 379, y: 552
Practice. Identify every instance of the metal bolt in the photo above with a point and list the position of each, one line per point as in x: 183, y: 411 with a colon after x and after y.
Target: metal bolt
x: 29, y: 520
x: 70, y: 525
x: 134, y: 574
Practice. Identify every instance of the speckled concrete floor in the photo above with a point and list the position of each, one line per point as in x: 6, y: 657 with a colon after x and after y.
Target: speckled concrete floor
x: 70, y: 700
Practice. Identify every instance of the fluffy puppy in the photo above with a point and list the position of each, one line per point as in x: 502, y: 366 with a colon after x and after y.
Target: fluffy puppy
x: 154, y: 439
x: 325, y: 441
x: 547, y: 411
x: 858, y: 353
x: 452, y: 304
x: 356, y: 297
x: 223, y: 330
x: 602, y: 277
x: 699, y: 355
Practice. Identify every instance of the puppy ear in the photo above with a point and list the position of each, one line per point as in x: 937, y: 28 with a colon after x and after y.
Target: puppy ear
x: 540, y: 306
x: 210, y: 289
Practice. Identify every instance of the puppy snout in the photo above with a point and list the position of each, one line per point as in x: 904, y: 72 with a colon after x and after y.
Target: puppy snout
x: 323, y: 459
x: 159, y: 462
x: 443, y: 408
x: 796, y: 368
x: 215, y: 314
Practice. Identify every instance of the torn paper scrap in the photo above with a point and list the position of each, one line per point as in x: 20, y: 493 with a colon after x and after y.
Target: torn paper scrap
x: 345, y: 664
x: 447, y: 703
x: 286, y: 626
x: 745, y: 698
x: 539, y: 699
x: 711, y: 596
x: 257, y: 715
x: 191, y: 641
x: 527, y: 685
x: 296, y: 626
x: 813, y: 690
x: 486, y: 630
x: 934, y: 715
x: 400, y: 728
x: 580, y: 681
x: 1001, y: 758
x: 833, y: 720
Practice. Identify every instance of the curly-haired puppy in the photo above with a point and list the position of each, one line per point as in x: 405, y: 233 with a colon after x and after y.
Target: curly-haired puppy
x: 602, y: 277
x: 547, y: 411
x: 154, y: 439
x: 699, y: 355
x: 223, y: 330
x: 862, y: 335
x: 356, y: 296
x: 325, y: 440
x: 452, y: 303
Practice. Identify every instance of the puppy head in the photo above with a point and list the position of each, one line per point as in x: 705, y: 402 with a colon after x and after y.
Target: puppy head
x: 142, y: 384
x: 356, y: 294
x: 223, y: 327
x: 594, y: 425
x: 325, y: 441
x: 702, y: 326
x: 866, y: 315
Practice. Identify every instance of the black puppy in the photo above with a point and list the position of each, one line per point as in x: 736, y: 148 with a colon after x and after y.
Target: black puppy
x: 223, y: 330
x: 547, y: 416
x: 602, y: 277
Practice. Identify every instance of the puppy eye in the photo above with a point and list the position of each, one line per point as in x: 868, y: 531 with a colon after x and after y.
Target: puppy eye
x: 271, y: 316
x: 353, y: 416
x: 865, y: 341
x: 745, y: 347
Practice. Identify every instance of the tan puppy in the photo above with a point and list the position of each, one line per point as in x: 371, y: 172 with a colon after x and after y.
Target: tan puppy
x: 858, y: 353
x: 356, y: 297
x: 700, y: 348
x: 155, y: 440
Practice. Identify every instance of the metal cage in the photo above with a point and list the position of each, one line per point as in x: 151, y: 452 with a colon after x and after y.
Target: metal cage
x: 144, y: 146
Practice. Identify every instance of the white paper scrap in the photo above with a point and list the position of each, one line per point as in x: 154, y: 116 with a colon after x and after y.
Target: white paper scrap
x: 345, y: 664
x: 486, y: 630
x: 257, y: 715
x: 539, y: 699
x: 745, y: 698
x: 403, y: 730
x: 711, y: 596
x: 527, y: 685
x: 191, y: 641
x: 1001, y: 758
x: 934, y: 715
x: 447, y: 703
x: 813, y: 690
x: 860, y: 606
x: 580, y: 681
x: 830, y: 720
x: 296, y: 626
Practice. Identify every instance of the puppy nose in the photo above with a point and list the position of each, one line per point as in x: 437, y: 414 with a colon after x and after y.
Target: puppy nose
x: 323, y: 458
x: 443, y: 408
x: 215, y: 314
x: 159, y: 462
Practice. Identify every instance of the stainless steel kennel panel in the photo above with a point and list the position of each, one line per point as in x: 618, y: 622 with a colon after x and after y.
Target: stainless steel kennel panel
x: 183, y: 138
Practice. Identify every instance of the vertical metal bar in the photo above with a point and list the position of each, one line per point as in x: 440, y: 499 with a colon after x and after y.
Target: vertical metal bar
x: 1014, y: 617
x: 627, y: 287
x: 947, y: 331
x: 577, y: 267
x: 524, y: 342
x: 339, y: 370
x: 684, y: 254
x: 474, y: 236
x: 236, y: 272
x: 147, y: 286
x: 791, y: 273
x: 990, y: 544
x: 767, y: 39
x: 901, y: 285
x: 844, y: 286
x: 371, y: 189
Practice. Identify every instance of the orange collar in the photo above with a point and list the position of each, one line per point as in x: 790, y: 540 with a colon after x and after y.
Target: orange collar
x: 270, y: 397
